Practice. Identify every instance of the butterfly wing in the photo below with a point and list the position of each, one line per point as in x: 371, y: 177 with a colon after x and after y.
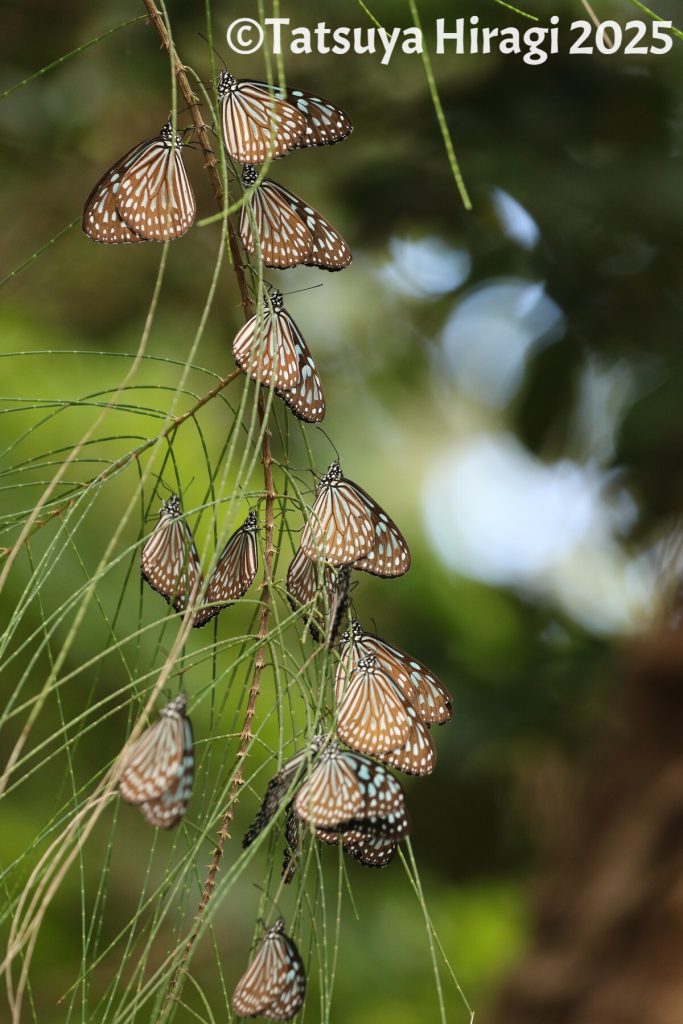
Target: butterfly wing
x: 419, y: 686
x: 340, y: 528
x: 389, y: 555
x: 283, y: 238
x: 101, y: 220
x: 155, y: 198
x: 417, y: 756
x: 169, y: 561
x: 274, y: 984
x: 158, y: 771
x: 235, y: 572
x: 305, y: 580
x: 257, y: 123
x: 305, y: 398
x: 372, y: 715
x: 328, y: 251
x: 268, y: 348
x: 366, y: 846
x: 332, y: 794
x: 326, y: 124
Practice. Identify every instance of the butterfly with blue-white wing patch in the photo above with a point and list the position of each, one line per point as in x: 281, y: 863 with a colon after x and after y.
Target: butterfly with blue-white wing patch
x: 274, y: 983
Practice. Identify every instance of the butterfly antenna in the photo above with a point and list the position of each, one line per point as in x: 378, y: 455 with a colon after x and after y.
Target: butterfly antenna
x: 310, y: 288
x: 332, y: 444
x: 208, y: 43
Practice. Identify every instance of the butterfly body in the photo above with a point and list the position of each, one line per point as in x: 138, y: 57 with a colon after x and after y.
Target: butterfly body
x: 169, y: 560
x: 418, y: 685
x: 234, y: 574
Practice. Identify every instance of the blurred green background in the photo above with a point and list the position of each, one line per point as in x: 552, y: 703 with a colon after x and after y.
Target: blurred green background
x: 506, y: 382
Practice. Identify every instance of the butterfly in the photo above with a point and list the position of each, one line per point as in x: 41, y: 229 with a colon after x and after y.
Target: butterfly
x: 274, y: 983
x: 235, y: 572
x: 144, y: 196
x: 158, y: 770
x: 346, y: 789
x: 169, y: 560
x: 418, y: 685
x: 374, y: 718
x: 347, y: 527
x: 289, y: 231
x: 262, y: 121
x: 271, y: 350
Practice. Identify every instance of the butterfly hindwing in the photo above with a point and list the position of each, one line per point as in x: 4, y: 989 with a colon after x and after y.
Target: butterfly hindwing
x: 418, y: 684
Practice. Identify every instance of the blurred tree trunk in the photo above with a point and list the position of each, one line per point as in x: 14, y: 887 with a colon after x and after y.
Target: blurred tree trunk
x: 608, y: 932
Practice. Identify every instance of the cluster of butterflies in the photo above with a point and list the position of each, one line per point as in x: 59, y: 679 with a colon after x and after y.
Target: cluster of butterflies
x: 170, y: 564
x: 146, y: 195
x: 385, y: 700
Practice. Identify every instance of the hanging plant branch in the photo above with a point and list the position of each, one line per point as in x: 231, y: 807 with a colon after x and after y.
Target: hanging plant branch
x: 212, y: 170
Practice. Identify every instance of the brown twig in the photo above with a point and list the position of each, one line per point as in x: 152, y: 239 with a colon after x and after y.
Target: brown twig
x: 267, y: 463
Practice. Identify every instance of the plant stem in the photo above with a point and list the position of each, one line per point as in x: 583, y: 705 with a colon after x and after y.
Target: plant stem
x: 267, y: 462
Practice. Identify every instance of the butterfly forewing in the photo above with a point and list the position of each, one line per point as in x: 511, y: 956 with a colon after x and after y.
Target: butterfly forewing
x: 258, y: 123
x: 235, y: 572
x: 372, y: 714
x: 158, y: 770
x: 155, y: 198
x: 283, y: 240
x: 274, y: 983
x: 169, y: 560
x: 267, y: 347
x: 418, y: 684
